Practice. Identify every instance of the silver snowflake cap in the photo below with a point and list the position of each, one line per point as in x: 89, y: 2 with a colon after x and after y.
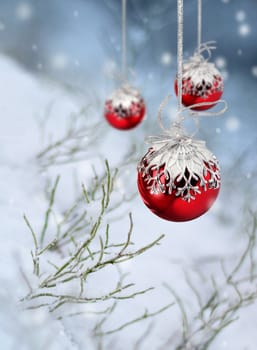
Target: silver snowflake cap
x: 124, y: 96
x: 125, y: 101
x: 177, y: 162
x: 200, y: 77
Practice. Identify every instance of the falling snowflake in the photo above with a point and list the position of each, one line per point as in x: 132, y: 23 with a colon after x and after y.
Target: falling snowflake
x: 240, y: 16
x: 239, y: 52
x: 254, y: 71
x: 232, y: 124
x: 120, y: 186
x: 117, y: 48
x: 224, y: 344
x: 244, y: 29
x: 225, y: 74
x: 110, y: 68
x: 59, y: 61
x: 75, y: 13
x: 150, y: 76
x: 24, y: 11
x: 138, y: 36
x: 77, y: 63
x: 34, y: 47
x: 39, y: 66
x: 221, y: 62
x: 166, y: 58
x: 2, y: 26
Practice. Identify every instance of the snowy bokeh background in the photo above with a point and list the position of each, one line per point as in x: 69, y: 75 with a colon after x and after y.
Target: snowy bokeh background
x: 66, y: 53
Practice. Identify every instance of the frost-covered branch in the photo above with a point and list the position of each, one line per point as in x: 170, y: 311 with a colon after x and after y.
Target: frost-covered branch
x: 221, y: 299
x: 74, y: 145
x: 65, y: 258
x: 144, y: 316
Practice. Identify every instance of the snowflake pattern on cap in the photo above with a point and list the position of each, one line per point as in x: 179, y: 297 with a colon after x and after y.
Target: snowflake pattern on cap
x: 125, y: 102
x: 184, y: 163
x: 200, y: 77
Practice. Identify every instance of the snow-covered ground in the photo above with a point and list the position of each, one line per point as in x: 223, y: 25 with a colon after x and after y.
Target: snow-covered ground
x: 196, y: 245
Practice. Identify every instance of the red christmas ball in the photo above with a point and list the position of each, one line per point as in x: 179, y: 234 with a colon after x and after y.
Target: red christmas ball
x: 180, y: 180
x: 201, y: 82
x: 125, y: 109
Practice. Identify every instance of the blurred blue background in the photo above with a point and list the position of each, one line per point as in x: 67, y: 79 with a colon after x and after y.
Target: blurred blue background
x: 51, y: 35
x: 79, y: 43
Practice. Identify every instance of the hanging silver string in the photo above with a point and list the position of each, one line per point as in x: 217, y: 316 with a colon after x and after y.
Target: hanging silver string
x: 199, y: 26
x: 124, y: 38
x: 184, y: 113
x: 180, y: 54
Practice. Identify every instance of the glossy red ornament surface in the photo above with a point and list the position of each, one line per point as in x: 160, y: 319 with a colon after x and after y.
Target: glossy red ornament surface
x: 170, y: 207
x: 124, y: 118
x: 204, y: 92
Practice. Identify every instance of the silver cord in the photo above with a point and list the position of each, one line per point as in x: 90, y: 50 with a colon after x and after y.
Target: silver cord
x: 124, y: 39
x: 180, y: 53
x: 199, y: 26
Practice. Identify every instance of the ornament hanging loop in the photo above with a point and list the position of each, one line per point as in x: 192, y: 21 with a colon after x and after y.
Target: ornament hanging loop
x: 201, y: 47
x: 186, y: 113
x: 208, y: 46
x: 197, y: 115
x: 176, y: 124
